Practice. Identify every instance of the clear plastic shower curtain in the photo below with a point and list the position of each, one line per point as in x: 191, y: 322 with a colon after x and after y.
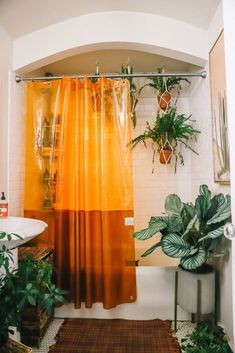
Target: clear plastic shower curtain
x: 79, y: 173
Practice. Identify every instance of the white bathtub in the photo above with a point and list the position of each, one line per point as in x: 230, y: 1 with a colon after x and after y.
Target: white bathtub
x: 155, y: 299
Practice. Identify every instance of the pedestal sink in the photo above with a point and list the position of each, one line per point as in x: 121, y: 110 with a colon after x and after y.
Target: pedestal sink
x: 26, y: 228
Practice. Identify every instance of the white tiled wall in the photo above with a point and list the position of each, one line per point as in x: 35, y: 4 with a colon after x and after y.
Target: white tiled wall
x: 16, y: 147
x: 202, y: 173
x: 153, y: 182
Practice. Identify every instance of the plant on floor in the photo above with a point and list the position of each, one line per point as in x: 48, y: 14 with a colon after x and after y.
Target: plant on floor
x: 189, y: 231
x: 164, y: 85
x: 206, y: 339
x: 169, y: 132
x: 28, y: 285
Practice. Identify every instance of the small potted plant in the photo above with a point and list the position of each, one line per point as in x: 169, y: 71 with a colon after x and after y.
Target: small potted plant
x: 206, y: 339
x: 164, y: 86
x: 191, y: 233
x: 168, y: 132
x: 28, y: 285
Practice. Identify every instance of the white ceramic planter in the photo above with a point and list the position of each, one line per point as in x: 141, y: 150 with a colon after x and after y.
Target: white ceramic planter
x: 188, y: 291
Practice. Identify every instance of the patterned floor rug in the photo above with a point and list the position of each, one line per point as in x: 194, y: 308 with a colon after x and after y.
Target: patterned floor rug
x: 115, y: 336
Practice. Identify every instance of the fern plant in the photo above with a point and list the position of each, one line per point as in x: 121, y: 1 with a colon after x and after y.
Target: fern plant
x: 189, y: 231
x: 168, y: 131
x: 162, y: 84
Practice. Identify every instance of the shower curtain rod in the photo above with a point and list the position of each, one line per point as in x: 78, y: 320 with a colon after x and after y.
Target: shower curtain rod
x: 201, y: 74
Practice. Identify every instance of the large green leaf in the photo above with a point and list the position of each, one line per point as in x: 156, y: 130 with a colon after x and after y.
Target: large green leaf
x: 154, y: 220
x: 216, y: 233
x: 150, y: 250
x: 173, y: 205
x: 223, y: 212
x: 216, y: 202
x: 190, y: 225
x: 155, y: 226
x: 190, y: 209
x: 175, y: 246
x: 193, y: 261
x: 201, y: 207
x: 174, y: 225
x: 205, y: 192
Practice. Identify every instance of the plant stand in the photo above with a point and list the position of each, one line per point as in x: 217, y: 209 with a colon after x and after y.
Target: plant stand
x: 15, y: 347
x: 35, y: 320
x: 195, y: 293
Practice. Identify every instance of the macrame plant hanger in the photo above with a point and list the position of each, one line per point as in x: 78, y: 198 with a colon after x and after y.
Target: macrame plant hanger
x: 164, y: 98
x: 166, y: 150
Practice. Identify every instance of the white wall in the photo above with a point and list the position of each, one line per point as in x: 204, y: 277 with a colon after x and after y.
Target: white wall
x: 202, y: 172
x: 178, y: 39
x: 229, y: 29
x: 16, y: 146
x: 153, y: 182
x: 5, y: 66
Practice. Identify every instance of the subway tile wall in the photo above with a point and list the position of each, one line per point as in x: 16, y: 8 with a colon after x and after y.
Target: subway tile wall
x: 16, y: 147
x: 153, y: 182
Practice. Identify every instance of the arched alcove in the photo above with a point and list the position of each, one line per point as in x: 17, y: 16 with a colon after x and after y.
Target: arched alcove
x: 110, y: 30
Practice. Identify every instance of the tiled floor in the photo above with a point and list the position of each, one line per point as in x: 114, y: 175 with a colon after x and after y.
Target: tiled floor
x: 183, y: 329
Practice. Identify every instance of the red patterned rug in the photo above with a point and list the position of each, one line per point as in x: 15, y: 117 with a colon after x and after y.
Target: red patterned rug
x: 115, y: 336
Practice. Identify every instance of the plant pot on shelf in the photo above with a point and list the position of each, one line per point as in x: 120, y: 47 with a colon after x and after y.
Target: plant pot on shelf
x: 164, y: 100
x: 188, y: 291
x: 165, y: 156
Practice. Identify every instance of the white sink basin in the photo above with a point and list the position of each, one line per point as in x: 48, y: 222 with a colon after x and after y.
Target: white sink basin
x: 26, y: 228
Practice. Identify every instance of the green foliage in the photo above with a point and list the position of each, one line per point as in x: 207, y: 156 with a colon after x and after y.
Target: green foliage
x: 30, y: 284
x: 162, y: 84
x: 190, y: 232
x: 168, y: 131
x: 134, y: 101
x: 206, y: 339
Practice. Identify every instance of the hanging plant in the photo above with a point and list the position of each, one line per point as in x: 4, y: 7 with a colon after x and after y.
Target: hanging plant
x: 164, y: 85
x: 167, y: 133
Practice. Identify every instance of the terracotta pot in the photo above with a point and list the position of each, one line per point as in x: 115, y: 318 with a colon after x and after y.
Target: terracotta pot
x: 165, y: 156
x: 164, y: 100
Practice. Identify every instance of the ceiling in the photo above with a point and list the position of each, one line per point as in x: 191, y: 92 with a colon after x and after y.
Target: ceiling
x: 20, y: 17
x: 112, y: 60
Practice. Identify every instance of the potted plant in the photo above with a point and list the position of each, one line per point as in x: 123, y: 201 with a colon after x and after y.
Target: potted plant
x: 191, y: 233
x: 206, y: 339
x: 164, y: 85
x: 168, y: 131
x: 29, y: 284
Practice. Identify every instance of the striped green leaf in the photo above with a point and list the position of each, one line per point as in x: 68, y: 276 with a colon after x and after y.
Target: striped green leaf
x: 150, y: 250
x: 194, y: 261
x: 175, y: 246
x: 173, y: 205
x: 223, y: 212
x: 190, y: 225
x: 155, y: 227
x: 213, y: 234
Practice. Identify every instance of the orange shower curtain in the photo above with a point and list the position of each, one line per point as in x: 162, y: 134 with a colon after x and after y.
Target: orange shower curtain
x: 77, y: 155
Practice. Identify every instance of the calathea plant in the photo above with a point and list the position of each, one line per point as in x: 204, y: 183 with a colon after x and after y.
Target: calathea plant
x: 189, y: 231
